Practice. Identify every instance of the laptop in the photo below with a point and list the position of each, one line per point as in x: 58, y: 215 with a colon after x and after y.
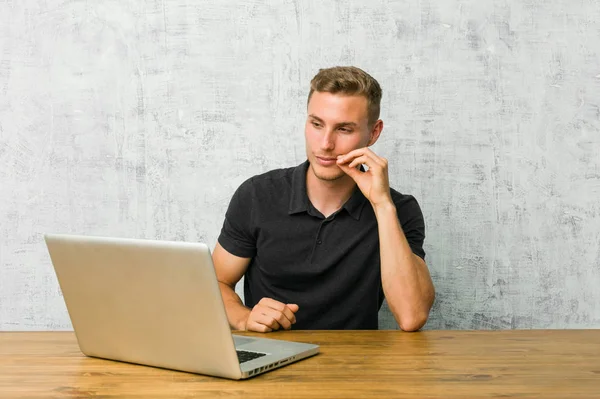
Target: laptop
x: 157, y: 303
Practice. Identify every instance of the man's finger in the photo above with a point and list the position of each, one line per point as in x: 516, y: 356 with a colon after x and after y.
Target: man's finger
x: 366, y: 152
x: 267, y: 320
x: 290, y: 312
x: 376, y: 159
x: 348, y: 158
x: 257, y: 327
x: 345, y: 158
x: 285, y: 316
x: 280, y: 317
x: 363, y: 159
x: 289, y: 315
x: 352, y: 172
x: 272, y: 303
x: 293, y: 307
x: 280, y: 307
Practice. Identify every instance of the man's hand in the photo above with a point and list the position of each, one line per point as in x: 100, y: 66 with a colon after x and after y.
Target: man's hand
x: 270, y: 315
x: 374, y: 183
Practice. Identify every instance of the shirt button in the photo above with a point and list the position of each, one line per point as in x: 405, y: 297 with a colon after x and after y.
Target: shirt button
x: 319, y: 242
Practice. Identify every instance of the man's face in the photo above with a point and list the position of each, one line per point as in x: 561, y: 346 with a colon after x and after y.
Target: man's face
x: 336, y: 124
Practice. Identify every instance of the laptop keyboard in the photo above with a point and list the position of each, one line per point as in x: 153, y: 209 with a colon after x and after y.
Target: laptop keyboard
x: 245, y: 356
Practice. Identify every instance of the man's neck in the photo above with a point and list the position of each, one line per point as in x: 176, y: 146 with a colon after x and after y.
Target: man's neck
x: 328, y: 196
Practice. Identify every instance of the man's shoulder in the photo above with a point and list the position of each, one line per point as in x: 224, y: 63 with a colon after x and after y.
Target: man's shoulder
x: 397, y: 196
x: 403, y: 200
x: 275, y: 176
x: 273, y: 180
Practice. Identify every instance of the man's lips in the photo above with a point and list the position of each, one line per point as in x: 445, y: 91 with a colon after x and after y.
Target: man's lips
x: 326, y: 161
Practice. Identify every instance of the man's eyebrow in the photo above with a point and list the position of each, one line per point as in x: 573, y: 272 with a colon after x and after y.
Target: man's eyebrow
x: 341, y: 124
x: 349, y: 124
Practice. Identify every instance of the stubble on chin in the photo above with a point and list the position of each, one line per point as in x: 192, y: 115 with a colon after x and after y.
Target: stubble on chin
x: 327, y: 177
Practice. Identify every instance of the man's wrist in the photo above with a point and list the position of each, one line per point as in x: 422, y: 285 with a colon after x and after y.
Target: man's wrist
x: 384, y: 209
x: 243, y: 319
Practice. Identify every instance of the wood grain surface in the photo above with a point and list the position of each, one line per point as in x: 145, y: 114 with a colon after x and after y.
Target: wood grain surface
x: 365, y: 364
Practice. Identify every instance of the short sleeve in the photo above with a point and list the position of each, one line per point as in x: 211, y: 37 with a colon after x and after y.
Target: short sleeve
x: 238, y: 233
x: 412, y: 222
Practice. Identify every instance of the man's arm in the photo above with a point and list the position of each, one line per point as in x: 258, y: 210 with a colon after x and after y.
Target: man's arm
x: 405, y: 278
x: 230, y: 269
x: 266, y: 316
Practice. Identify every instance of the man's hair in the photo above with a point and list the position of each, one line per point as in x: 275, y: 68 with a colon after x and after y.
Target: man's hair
x: 349, y: 81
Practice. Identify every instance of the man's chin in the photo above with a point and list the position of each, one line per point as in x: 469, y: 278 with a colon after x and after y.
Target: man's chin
x: 327, y: 174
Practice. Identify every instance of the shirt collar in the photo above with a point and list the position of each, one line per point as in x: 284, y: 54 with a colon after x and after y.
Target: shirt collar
x: 355, y: 203
x: 299, y: 198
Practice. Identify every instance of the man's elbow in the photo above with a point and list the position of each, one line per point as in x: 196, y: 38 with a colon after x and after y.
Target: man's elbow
x: 414, y: 322
x: 417, y: 318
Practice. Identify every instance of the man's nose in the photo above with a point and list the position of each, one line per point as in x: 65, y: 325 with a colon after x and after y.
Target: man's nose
x: 328, y: 142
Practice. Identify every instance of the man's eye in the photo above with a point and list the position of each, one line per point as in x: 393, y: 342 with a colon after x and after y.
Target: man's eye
x: 345, y: 130
x: 316, y: 124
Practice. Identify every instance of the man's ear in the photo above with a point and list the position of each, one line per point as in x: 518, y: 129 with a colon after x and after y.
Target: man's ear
x: 375, y: 132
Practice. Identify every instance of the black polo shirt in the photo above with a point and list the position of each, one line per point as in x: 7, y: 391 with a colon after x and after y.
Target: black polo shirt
x: 329, y: 266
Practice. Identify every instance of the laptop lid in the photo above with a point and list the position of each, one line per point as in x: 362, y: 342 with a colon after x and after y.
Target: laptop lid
x: 149, y: 302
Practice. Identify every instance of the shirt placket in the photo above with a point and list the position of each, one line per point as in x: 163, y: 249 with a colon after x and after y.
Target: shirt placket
x: 318, y: 240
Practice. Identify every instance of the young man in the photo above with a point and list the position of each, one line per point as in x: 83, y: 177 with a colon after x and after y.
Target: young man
x: 321, y: 244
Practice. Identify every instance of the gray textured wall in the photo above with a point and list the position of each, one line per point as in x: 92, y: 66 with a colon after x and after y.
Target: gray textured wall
x: 139, y: 119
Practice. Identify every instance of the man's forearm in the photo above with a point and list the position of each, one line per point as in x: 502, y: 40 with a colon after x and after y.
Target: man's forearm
x: 405, y: 278
x: 237, y: 313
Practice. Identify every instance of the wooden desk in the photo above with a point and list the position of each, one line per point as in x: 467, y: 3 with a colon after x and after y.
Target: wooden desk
x: 375, y: 364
